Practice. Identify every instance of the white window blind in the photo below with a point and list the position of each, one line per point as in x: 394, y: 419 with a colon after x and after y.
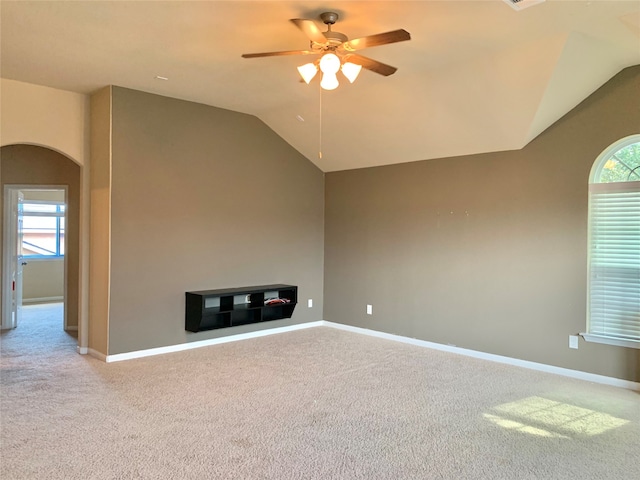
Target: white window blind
x: 614, y: 267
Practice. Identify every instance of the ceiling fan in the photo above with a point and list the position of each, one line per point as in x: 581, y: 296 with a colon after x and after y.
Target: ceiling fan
x: 337, y: 51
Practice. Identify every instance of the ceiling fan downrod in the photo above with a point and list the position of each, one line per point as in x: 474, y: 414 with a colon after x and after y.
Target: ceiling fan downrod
x: 334, y: 39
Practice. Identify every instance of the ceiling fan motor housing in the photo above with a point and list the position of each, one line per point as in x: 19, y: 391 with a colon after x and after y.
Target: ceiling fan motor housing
x: 335, y: 38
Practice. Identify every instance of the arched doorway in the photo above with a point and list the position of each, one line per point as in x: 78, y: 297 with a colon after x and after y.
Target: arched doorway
x: 40, y: 169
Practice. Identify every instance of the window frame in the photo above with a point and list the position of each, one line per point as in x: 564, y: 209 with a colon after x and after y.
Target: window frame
x: 594, y: 182
x: 59, y: 215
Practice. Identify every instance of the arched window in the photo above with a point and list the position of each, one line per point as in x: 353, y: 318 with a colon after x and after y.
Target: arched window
x: 614, y: 246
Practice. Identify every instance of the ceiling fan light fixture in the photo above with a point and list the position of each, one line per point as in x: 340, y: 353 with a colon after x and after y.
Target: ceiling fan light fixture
x: 329, y: 81
x: 330, y: 63
x: 351, y: 71
x: 307, y: 72
x: 336, y: 49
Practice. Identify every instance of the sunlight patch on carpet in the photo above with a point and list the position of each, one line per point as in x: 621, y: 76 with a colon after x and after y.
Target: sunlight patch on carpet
x: 549, y: 418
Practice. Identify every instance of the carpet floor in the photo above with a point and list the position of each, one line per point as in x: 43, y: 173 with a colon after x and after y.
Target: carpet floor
x: 318, y: 403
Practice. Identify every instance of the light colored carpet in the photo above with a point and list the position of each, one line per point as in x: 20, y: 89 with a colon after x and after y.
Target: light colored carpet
x: 312, y: 404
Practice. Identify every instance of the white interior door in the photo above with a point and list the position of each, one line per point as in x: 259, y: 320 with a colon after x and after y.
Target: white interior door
x: 13, y: 260
x: 17, y: 297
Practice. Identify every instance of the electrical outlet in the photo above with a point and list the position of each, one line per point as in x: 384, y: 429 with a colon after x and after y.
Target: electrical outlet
x: 310, y: 303
x: 573, y: 341
x: 369, y: 309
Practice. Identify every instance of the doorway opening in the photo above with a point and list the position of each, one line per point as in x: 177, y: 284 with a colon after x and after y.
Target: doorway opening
x: 34, y: 257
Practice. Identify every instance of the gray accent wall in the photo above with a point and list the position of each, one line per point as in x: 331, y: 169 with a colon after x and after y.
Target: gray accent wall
x: 204, y: 198
x: 485, y: 252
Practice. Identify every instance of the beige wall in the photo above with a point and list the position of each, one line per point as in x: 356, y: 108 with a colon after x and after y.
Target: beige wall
x: 504, y: 273
x: 204, y: 198
x: 486, y: 252
x: 43, y: 280
x: 30, y: 165
x: 33, y: 114
x: 100, y: 224
x: 59, y: 120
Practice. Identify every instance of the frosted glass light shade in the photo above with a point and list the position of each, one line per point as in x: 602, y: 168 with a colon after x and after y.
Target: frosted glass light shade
x: 330, y: 63
x: 307, y: 72
x: 329, y: 81
x: 351, y: 71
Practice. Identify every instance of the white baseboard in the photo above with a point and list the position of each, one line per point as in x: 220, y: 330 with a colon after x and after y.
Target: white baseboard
x: 590, y: 377
x: 205, y: 343
x: 82, y: 350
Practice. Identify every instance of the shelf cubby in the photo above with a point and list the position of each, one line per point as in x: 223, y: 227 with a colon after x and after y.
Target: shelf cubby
x: 222, y: 308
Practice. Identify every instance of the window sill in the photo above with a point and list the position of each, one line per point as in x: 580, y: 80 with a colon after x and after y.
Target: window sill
x: 50, y: 258
x: 619, y: 342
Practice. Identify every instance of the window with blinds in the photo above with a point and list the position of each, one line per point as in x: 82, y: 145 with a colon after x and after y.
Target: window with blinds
x: 614, y: 246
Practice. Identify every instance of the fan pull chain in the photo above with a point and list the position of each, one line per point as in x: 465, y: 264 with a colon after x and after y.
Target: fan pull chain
x: 320, y: 126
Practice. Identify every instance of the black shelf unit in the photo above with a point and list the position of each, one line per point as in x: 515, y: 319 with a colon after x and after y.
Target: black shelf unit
x: 229, y: 307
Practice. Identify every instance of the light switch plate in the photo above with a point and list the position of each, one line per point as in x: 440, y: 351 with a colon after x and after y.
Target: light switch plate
x: 369, y: 309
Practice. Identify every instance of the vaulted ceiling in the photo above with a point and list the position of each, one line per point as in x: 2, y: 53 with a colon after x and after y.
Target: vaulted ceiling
x: 477, y: 76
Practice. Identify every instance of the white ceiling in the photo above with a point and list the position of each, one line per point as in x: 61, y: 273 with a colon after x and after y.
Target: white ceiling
x: 476, y: 77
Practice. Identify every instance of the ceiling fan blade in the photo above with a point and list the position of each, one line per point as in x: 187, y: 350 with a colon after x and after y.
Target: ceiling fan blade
x: 370, y: 64
x: 277, y: 54
x: 310, y: 29
x: 375, y: 40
